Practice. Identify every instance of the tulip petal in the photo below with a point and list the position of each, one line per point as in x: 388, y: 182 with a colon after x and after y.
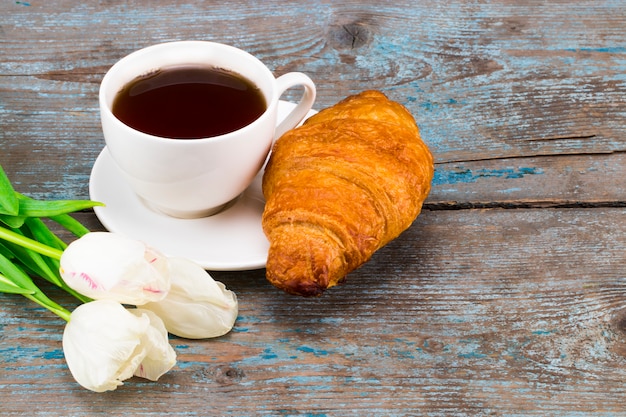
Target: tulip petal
x: 103, y: 265
x: 196, y: 306
x: 160, y: 356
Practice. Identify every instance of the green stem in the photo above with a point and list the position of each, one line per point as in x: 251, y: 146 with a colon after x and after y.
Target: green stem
x: 31, y: 244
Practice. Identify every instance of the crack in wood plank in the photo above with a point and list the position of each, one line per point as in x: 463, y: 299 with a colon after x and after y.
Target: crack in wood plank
x: 528, y: 156
x: 538, y: 204
x: 590, y: 136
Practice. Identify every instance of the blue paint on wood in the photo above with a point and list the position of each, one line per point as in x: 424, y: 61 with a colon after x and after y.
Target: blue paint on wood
x: 291, y: 412
x: 606, y: 50
x: 248, y: 319
x: 466, y: 175
x: 405, y: 354
x: 472, y: 355
x: 54, y: 354
x: 316, y: 352
x: 269, y: 354
x: 240, y: 329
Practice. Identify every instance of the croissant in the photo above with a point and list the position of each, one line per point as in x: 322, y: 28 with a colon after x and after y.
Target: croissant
x: 338, y: 188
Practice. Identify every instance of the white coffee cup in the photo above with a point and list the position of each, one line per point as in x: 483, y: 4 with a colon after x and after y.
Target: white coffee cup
x: 197, y: 177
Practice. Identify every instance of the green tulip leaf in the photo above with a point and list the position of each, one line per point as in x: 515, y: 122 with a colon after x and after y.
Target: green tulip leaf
x: 9, y: 203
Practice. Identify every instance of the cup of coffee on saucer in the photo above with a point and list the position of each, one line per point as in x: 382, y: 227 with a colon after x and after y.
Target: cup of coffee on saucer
x: 190, y: 124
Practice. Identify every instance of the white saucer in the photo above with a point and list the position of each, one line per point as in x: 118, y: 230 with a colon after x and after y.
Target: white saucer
x: 231, y: 240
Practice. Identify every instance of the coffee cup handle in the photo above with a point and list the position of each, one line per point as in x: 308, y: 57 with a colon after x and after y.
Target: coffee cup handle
x: 303, y: 107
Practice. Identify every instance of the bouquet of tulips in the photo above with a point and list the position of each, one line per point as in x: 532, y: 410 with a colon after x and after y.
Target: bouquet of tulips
x: 131, y: 296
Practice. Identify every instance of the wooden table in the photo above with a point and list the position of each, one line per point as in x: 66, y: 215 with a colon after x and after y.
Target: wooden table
x: 507, y: 296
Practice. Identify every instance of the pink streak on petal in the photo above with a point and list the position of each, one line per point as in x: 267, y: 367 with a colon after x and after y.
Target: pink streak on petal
x: 92, y: 284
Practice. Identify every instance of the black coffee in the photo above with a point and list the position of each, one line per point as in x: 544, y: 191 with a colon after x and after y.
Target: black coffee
x: 189, y: 102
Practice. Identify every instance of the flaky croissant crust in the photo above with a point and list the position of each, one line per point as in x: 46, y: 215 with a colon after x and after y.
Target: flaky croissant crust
x: 340, y: 187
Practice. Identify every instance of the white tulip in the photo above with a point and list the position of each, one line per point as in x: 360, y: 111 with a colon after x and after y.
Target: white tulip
x: 105, y: 344
x: 196, y: 306
x: 104, y: 265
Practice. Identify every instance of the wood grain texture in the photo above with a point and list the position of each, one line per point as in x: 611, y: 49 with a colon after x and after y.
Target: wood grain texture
x: 485, y: 81
x: 507, y: 297
x: 452, y: 326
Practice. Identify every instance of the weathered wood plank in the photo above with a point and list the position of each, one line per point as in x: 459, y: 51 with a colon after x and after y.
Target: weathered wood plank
x: 557, y: 180
x: 487, y: 80
x: 480, y: 313
x: 544, y: 181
